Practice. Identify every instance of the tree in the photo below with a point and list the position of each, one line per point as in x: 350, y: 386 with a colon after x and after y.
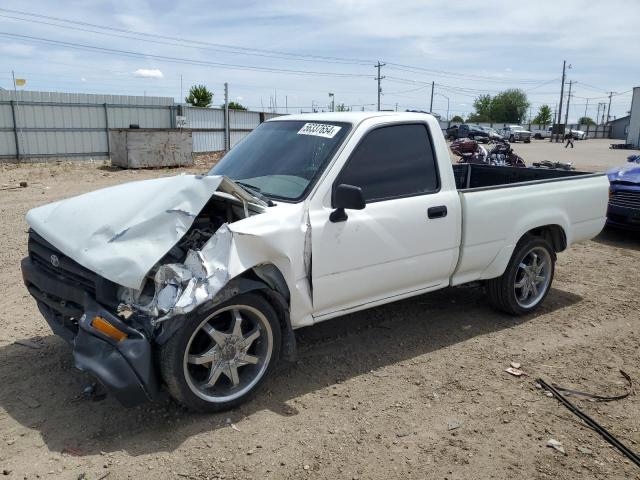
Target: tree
x: 457, y: 119
x: 586, y: 121
x: 235, y: 106
x: 482, y: 104
x: 342, y: 108
x: 544, y: 116
x: 199, y: 96
x: 478, y: 118
x: 509, y: 106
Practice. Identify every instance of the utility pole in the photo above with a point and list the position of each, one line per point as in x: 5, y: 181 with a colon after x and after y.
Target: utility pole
x: 609, y: 107
x: 332, y: 105
x: 286, y: 103
x: 433, y: 84
x: 603, y: 107
x: 227, y: 147
x: 181, y: 97
x: 566, y: 114
x: 379, y: 78
x: 585, y: 107
x: 559, y: 117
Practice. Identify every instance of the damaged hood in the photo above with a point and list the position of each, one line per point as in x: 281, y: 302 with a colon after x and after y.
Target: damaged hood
x: 121, y: 232
x: 630, y: 173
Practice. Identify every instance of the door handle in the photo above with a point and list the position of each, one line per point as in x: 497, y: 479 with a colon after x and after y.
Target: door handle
x: 437, y: 212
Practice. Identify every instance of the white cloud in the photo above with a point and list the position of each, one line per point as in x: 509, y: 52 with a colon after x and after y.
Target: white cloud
x: 239, y: 98
x: 83, y: 79
x: 148, y: 73
x: 17, y: 49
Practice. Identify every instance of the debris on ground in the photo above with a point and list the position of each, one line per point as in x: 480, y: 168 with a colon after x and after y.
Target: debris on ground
x: 556, y: 445
x: 515, y: 365
x: 516, y: 372
x: 626, y: 451
x: 599, y: 398
x: 453, y: 424
x: 585, y: 450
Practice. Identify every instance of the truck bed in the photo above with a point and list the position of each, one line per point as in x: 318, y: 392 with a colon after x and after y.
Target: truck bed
x: 473, y: 176
x: 500, y: 204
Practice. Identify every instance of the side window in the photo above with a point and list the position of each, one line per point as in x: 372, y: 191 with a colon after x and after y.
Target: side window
x: 390, y: 162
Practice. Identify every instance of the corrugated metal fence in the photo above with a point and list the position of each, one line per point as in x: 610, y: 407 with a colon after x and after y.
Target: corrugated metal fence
x: 35, y: 126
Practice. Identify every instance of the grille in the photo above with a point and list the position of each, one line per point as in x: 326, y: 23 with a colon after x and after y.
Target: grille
x: 626, y: 199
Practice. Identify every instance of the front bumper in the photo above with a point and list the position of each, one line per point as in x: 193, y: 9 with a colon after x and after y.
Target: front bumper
x: 126, y: 368
x: 621, y: 217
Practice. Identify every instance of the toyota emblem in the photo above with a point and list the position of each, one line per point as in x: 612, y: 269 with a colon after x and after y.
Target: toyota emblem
x: 55, y: 261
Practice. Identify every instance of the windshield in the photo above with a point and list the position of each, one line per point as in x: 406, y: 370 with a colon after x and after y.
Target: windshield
x: 282, y: 159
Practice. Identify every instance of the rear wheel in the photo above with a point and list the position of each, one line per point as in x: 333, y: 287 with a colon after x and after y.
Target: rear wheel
x: 221, y: 356
x: 512, y: 139
x: 527, y: 279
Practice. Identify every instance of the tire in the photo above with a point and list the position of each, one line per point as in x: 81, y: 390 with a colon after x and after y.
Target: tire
x: 504, y: 293
x: 537, y: 136
x: 512, y: 139
x: 237, y: 371
x: 528, y: 140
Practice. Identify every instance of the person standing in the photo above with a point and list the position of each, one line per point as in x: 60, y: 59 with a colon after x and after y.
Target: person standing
x: 569, y: 138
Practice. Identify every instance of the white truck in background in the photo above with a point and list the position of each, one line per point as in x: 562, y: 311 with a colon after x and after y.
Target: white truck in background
x: 195, y: 283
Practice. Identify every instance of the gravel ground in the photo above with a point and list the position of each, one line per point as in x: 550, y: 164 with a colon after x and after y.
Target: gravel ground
x: 414, y: 389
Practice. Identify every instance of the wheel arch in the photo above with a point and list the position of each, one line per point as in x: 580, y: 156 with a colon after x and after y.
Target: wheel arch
x: 554, y: 233
x: 265, y: 280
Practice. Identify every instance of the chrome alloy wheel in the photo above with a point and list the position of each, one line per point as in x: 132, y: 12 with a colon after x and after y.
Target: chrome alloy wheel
x: 228, y: 353
x: 533, y: 277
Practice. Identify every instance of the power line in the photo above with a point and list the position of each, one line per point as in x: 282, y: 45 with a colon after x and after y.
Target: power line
x: 112, y: 51
x: 236, y: 49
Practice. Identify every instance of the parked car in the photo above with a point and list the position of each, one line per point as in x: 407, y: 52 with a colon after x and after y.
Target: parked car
x: 578, y: 134
x: 195, y: 283
x: 493, y: 134
x: 474, y: 132
x: 515, y: 133
x: 547, y: 132
x: 624, y: 195
x: 540, y: 133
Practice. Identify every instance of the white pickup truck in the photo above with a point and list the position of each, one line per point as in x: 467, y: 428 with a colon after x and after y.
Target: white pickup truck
x: 195, y: 283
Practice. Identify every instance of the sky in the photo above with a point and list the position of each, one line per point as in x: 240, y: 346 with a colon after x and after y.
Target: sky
x: 290, y: 55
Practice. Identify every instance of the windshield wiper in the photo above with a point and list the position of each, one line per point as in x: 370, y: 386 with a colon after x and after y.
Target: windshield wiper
x: 253, y: 190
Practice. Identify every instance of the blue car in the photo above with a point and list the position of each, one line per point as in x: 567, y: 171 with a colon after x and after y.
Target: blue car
x: 624, y: 195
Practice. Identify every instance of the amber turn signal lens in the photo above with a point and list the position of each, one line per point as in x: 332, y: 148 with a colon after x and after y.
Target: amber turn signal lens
x: 109, y: 330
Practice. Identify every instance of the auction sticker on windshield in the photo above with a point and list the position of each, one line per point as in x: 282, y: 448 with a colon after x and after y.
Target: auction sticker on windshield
x: 319, y: 130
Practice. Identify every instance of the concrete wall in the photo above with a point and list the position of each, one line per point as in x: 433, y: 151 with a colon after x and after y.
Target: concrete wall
x: 151, y: 148
x: 633, y: 136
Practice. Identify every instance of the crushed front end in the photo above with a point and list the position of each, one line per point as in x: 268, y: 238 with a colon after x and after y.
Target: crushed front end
x: 71, y: 297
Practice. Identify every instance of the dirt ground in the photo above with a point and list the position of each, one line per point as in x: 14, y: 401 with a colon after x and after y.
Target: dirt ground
x: 413, y: 390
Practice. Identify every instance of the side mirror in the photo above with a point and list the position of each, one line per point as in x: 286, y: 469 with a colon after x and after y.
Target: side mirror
x: 346, y: 197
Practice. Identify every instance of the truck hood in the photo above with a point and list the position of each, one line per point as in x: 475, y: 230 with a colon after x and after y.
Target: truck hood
x: 121, y: 232
x: 629, y: 174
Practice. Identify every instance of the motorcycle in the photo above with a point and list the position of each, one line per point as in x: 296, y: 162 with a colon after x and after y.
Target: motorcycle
x: 503, y: 155
x: 469, y: 151
x: 554, y: 165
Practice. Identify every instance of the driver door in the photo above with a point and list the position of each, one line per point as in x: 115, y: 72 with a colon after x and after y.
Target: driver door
x: 405, y: 241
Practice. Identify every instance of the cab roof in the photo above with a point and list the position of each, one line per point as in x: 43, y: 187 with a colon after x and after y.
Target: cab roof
x: 350, y: 117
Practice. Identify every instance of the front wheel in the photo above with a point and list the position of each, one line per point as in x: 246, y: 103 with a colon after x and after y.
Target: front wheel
x: 221, y: 356
x: 527, y: 280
